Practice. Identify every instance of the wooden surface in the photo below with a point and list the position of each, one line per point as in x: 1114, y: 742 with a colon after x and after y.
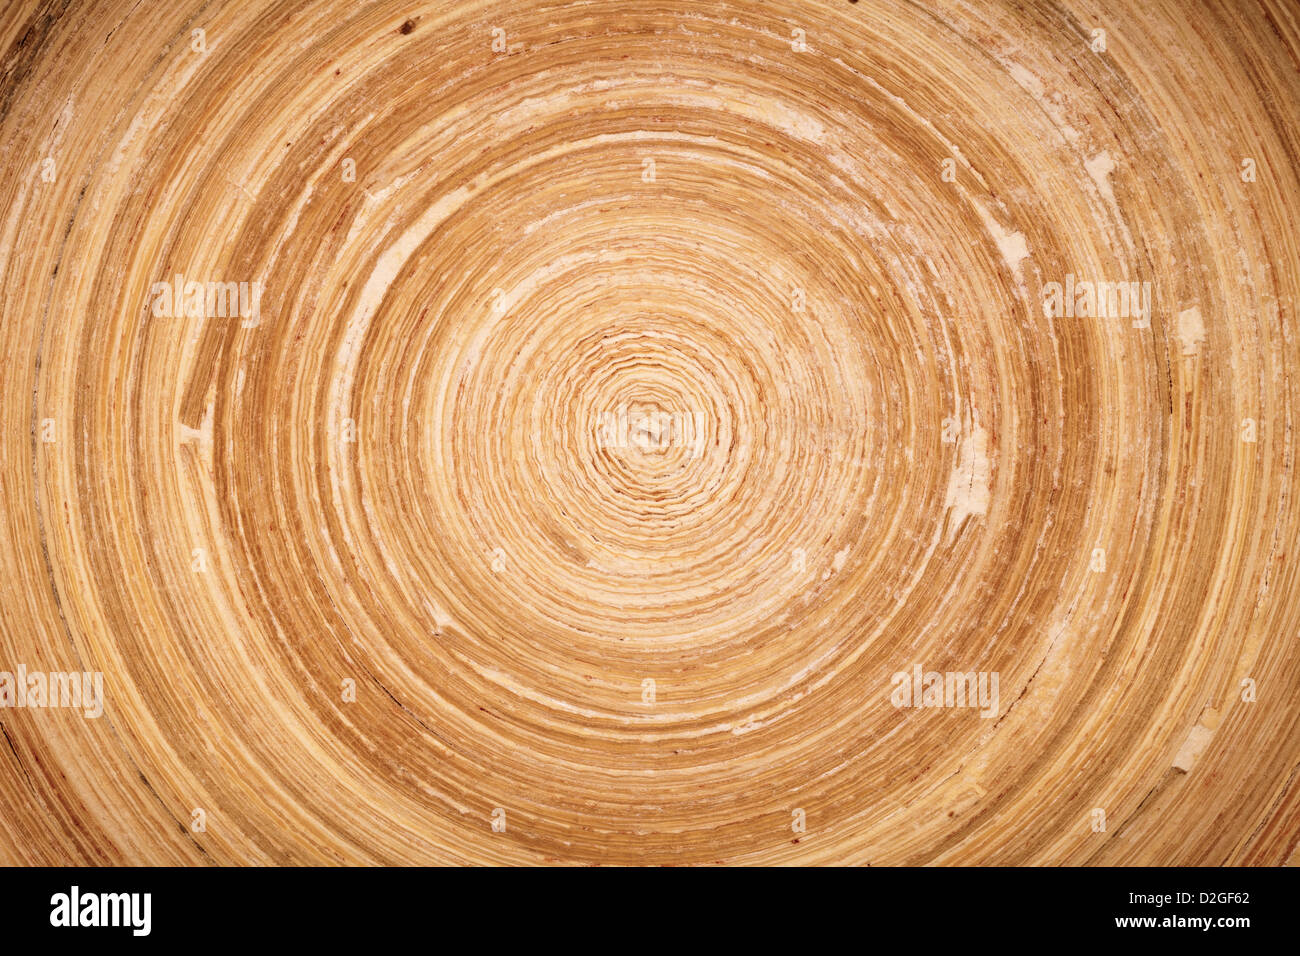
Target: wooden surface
x: 365, y: 573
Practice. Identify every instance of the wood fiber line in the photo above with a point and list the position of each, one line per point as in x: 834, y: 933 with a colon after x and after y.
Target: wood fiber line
x: 582, y: 427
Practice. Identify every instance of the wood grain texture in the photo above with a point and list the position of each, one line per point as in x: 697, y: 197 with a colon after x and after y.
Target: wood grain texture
x: 623, y: 393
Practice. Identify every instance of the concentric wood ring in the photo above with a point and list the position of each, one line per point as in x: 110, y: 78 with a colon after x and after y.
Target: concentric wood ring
x: 471, y: 432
